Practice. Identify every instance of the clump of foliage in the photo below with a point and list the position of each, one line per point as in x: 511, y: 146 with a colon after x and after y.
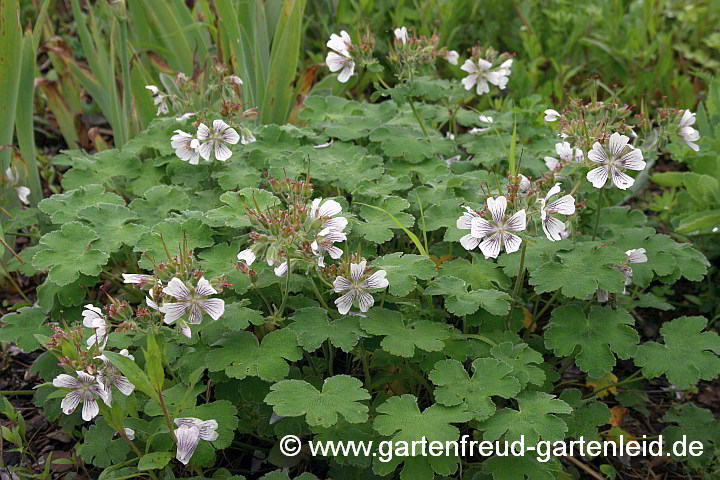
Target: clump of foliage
x: 400, y: 269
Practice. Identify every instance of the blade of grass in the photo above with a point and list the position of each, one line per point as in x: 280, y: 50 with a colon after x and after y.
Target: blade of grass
x: 10, y: 45
x: 24, y: 118
x: 413, y: 237
x: 283, y: 63
x: 228, y: 17
x: 513, y: 151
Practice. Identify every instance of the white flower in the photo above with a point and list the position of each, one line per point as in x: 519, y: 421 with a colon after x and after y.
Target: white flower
x: 452, y: 57
x: 480, y: 74
x: 281, y: 269
x: 186, y: 147
x: 93, y: 318
x: 182, y: 77
x: 247, y: 137
x: 234, y: 79
x: 551, y: 115
x: 566, y: 153
x: 110, y: 376
x: 189, y: 433
x: 357, y: 288
x: 614, y: 161
x: 324, y: 244
x: 194, y: 302
x: 401, y: 34
x: 465, y: 223
x: 486, y: 119
x: 340, y: 43
x: 323, y: 145
x: 158, y: 99
x: 220, y: 134
x: 325, y: 212
x: 138, y: 278
x: 565, y: 205
x: 340, y: 59
x: 499, y: 229
x: 84, y: 389
x: 21, y: 191
x: 635, y: 255
x: 247, y: 256
x: 185, y: 116
x: 686, y: 132
x: 129, y: 433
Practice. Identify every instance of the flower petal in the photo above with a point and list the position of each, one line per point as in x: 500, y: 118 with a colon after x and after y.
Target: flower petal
x: 70, y: 402
x: 598, y: 176
x: 553, y: 228
x: 512, y: 242
x: 124, y: 385
x: 632, y: 160
x: 65, y: 381
x: 204, y: 289
x: 479, y: 227
x: 490, y: 247
x: 90, y: 408
x: 617, y: 144
x: 173, y: 311
x: 195, y: 317
x: 215, y: 307
x: 365, y: 301
x: 636, y: 255
x: 621, y: 179
x: 247, y: 256
x: 346, y: 72
x: 376, y: 280
x: 470, y: 67
x: 341, y: 284
x: 345, y: 302
x: 469, y: 242
x: 357, y: 270
x: 137, y: 278
x: 598, y: 154
x: 203, y: 132
x: 329, y: 208
x: 230, y: 136
x: 222, y: 152
x: 517, y: 222
x: 176, y: 288
x: 564, y: 205
x: 188, y: 438
x: 497, y: 207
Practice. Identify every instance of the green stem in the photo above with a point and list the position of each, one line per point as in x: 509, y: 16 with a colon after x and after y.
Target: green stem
x: 14, y: 283
x: 318, y: 294
x: 17, y: 392
x: 518, y: 283
x: 481, y: 338
x: 547, y: 305
x: 167, y: 417
x: 417, y: 116
x: 286, y: 293
x: 366, y: 371
x: 635, y: 376
x: 601, y: 197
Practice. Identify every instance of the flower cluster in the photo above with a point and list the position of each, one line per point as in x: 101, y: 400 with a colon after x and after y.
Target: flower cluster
x: 299, y: 233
